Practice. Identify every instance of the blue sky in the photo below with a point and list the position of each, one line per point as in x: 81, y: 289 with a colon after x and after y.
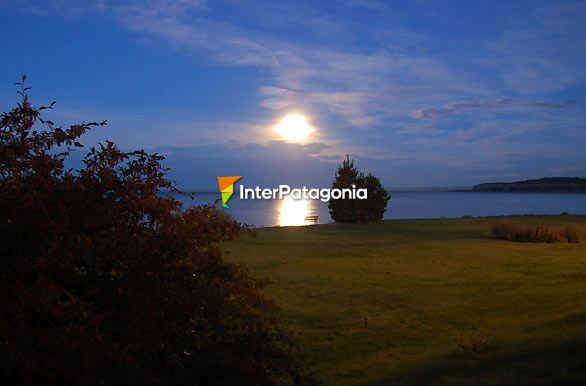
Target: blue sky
x: 421, y: 93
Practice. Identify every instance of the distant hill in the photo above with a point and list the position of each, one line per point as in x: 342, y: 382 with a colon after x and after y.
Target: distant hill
x: 543, y: 185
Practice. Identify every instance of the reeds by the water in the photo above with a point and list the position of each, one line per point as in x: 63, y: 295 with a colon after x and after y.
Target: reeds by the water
x: 538, y: 233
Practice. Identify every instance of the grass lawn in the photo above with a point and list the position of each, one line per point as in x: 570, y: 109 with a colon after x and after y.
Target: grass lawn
x: 427, y: 301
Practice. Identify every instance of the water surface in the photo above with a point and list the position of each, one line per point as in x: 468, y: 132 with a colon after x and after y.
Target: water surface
x: 403, y: 205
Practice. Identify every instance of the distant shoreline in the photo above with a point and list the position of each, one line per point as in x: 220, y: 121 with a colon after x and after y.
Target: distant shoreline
x: 542, y: 185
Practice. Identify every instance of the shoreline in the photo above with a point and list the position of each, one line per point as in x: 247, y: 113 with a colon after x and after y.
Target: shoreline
x: 426, y: 219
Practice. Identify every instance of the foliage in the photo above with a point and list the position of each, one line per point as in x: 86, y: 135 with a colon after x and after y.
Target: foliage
x: 543, y: 233
x: 373, y: 208
x: 347, y: 210
x: 107, y: 281
x: 344, y: 210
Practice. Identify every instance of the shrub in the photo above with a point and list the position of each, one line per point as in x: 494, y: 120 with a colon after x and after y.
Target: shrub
x: 517, y: 231
x: 106, y: 281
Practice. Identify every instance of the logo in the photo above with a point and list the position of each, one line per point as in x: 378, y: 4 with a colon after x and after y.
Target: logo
x: 304, y: 193
x: 226, y: 184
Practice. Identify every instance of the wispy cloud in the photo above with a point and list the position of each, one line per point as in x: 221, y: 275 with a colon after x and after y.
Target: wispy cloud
x: 544, y: 51
x: 363, y: 88
x: 488, y: 105
x: 360, y: 87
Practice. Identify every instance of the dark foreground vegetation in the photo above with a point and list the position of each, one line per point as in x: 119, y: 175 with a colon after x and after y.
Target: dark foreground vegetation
x: 104, y: 281
x: 542, y: 185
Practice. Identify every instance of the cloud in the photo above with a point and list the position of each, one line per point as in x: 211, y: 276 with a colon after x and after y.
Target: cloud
x: 543, y: 52
x: 277, y: 98
x: 488, y: 105
x: 360, y: 87
x: 363, y: 88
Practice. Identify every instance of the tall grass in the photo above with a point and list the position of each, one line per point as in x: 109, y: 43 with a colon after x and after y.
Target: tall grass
x: 537, y: 233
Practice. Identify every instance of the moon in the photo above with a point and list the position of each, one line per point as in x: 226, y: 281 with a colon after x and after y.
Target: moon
x: 294, y: 128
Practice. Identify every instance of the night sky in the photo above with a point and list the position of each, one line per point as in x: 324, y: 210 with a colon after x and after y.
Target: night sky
x: 421, y: 93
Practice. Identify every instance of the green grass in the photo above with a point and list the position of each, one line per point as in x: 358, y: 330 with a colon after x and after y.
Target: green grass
x: 405, y: 302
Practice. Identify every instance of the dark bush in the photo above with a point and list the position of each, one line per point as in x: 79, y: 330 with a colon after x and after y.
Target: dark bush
x: 105, y: 281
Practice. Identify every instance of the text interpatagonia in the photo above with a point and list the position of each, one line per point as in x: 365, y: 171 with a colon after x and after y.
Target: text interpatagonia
x: 304, y: 193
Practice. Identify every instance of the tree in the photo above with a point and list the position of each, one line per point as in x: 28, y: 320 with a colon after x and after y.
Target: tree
x: 106, y: 280
x: 344, y: 210
x: 358, y: 210
x: 373, y: 208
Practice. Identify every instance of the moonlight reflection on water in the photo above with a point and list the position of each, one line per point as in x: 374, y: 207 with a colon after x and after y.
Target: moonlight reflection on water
x: 293, y: 212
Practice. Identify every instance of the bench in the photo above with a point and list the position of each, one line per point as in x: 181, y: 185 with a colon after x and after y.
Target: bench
x: 311, y: 219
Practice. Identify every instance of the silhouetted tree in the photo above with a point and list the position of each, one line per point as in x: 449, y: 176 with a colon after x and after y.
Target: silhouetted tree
x: 356, y: 210
x: 373, y: 208
x: 344, y: 210
x: 105, y: 281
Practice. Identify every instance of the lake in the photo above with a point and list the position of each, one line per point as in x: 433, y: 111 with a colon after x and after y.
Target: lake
x: 403, y: 205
